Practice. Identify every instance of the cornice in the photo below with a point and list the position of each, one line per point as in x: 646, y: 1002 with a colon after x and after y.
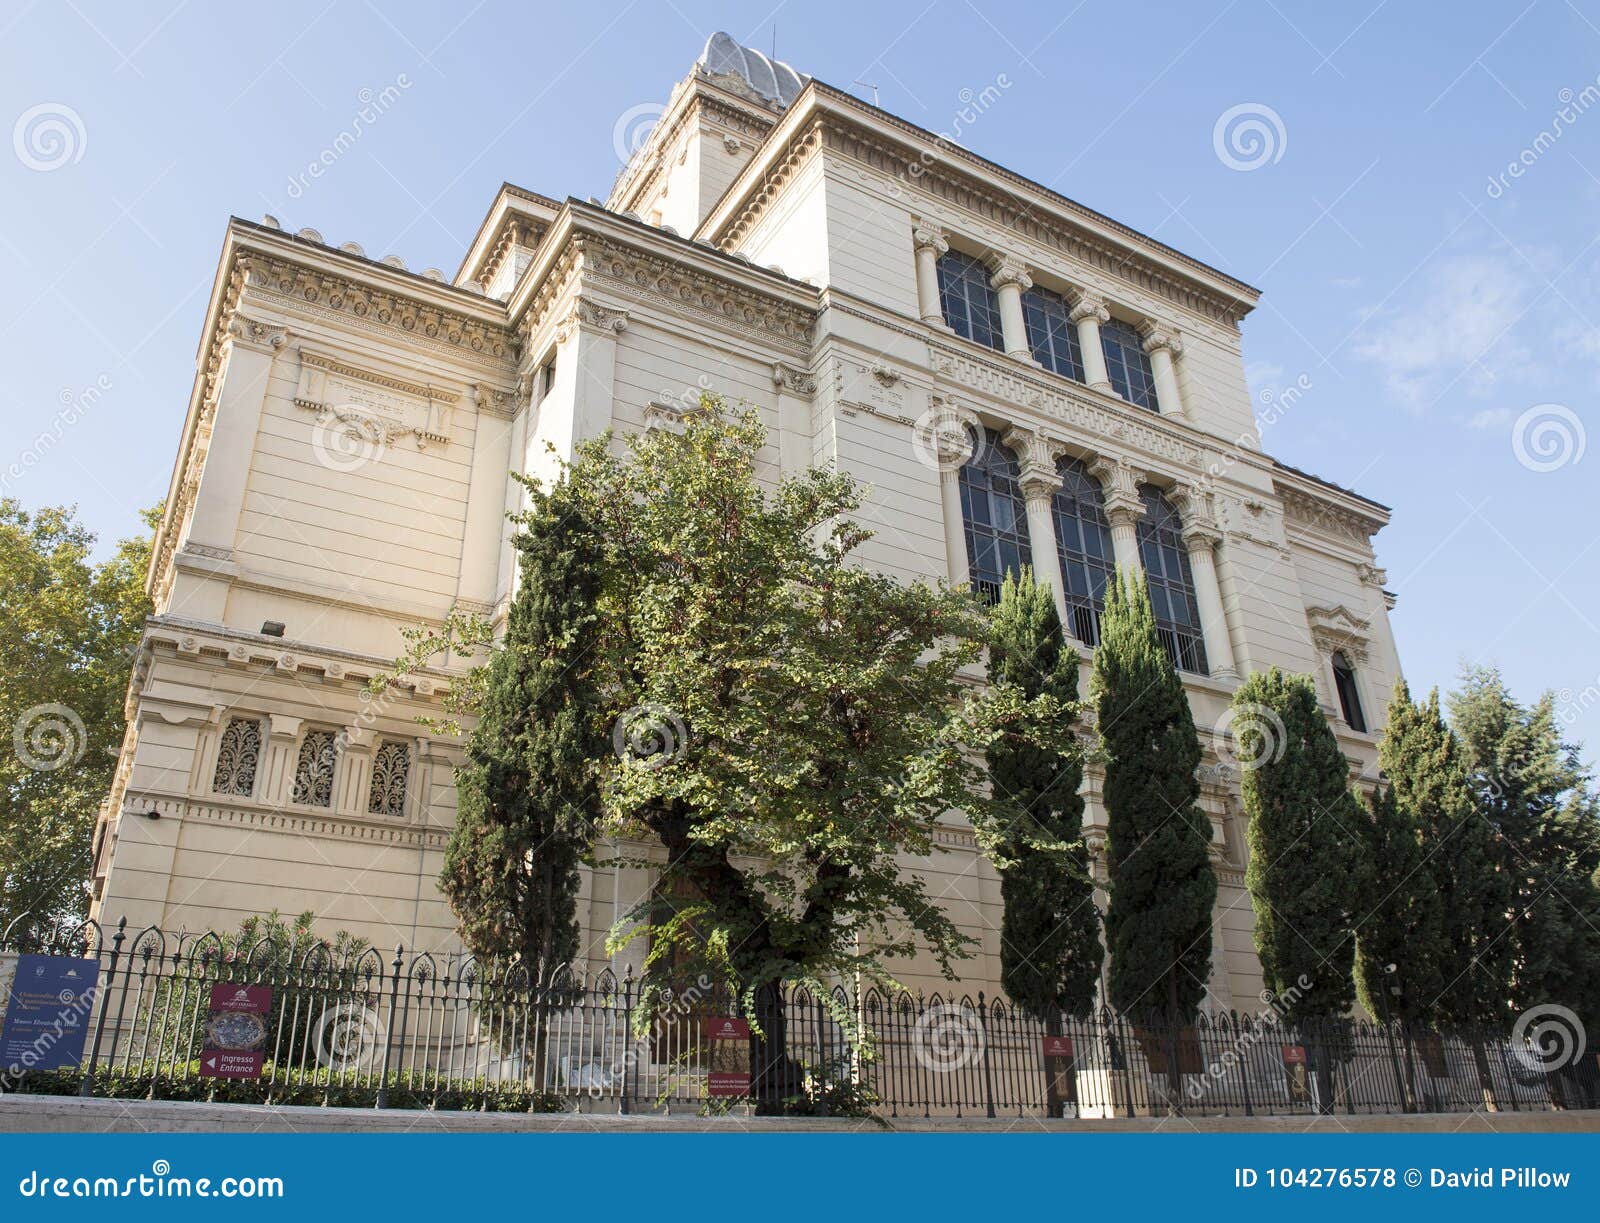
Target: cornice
x: 1342, y: 517
x: 888, y: 145
x: 591, y: 249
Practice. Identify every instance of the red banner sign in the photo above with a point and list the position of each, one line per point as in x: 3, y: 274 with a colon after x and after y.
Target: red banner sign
x: 236, y: 1032
x: 1058, y: 1046
x: 729, y: 1074
x: 1294, y: 1055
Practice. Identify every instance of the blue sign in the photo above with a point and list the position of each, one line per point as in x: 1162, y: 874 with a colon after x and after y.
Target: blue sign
x: 52, y: 998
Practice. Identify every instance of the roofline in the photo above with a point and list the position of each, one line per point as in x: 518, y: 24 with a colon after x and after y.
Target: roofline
x: 505, y: 191
x: 1279, y: 466
x: 817, y: 91
x: 579, y: 214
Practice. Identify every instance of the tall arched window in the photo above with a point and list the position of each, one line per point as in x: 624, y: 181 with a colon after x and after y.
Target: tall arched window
x: 1344, y: 679
x: 994, y: 514
x: 1166, y: 570
x: 1128, y: 365
x: 1052, y: 335
x: 968, y: 299
x: 1083, y: 539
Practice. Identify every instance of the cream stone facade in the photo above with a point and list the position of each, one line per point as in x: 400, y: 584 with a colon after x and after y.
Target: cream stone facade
x: 344, y: 473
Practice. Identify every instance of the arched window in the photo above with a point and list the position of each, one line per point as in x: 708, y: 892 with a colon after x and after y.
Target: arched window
x: 1083, y: 539
x: 994, y: 514
x: 1166, y: 570
x: 1344, y: 679
x: 968, y: 299
x: 1052, y: 335
x: 1128, y: 365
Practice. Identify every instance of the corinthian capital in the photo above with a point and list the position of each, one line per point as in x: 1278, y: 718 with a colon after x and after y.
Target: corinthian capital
x: 1156, y: 337
x: 1090, y: 305
x: 1011, y: 273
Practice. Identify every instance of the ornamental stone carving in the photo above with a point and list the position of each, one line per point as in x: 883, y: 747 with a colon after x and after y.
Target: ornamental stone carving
x: 378, y: 405
x: 1011, y: 273
x: 793, y: 380
x: 924, y: 237
x: 1089, y: 305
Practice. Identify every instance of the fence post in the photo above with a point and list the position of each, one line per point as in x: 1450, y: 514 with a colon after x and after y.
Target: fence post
x: 388, y: 1031
x: 822, y: 1065
x: 1244, y: 1047
x: 627, y: 1036
x: 86, y: 1087
x: 988, y: 1069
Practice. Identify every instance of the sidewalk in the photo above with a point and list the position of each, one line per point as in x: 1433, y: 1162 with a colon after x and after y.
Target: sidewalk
x: 22, y: 1113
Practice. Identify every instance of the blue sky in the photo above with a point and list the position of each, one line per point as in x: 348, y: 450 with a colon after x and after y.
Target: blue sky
x: 1430, y: 300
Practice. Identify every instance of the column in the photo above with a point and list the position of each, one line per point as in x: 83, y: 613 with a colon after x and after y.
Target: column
x: 952, y: 448
x: 1039, y: 480
x: 1164, y: 347
x: 929, y: 244
x: 1200, y: 536
x: 477, y: 585
x: 1089, y: 312
x: 1010, y: 283
x: 586, y: 362
x: 1124, y: 507
x: 795, y: 388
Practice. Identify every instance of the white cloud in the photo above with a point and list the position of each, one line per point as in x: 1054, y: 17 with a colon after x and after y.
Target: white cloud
x: 1461, y: 333
x: 1489, y: 418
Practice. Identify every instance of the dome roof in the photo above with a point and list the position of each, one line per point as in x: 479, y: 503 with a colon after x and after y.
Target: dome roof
x: 771, y: 79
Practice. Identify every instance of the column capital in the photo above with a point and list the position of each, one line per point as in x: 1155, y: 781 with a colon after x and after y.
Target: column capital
x: 588, y: 316
x: 793, y: 379
x: 1037, y: 457
x: 1090, y: 305
x: 1010, y: 273
x: 923, y: 236
x: 1157, y: 337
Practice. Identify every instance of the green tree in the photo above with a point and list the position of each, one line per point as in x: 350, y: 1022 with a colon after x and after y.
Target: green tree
x: 1049, y: 935
x: 1304, y: 826
x: 69, y: 627
x: 1532, y: 785
x: 1163, y: 890
x: 1424, y: 763
x: 528, y: 793
x: 784, y: 726
x: 1401, y: 921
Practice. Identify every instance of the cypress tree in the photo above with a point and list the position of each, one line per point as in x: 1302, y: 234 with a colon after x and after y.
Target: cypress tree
x: 1304, y: 826
x: 528, y: 797
x: 1158, y: 924
x: 1532, y: 785
x: 1049, y: 937
x: 1402, y: 921
x: 1423, y: 761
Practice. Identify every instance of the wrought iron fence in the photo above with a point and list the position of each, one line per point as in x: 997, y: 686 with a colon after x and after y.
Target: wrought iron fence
x: 424, y: 1031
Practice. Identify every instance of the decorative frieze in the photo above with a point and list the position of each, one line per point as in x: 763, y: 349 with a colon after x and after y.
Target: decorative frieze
x: 373, y: 307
